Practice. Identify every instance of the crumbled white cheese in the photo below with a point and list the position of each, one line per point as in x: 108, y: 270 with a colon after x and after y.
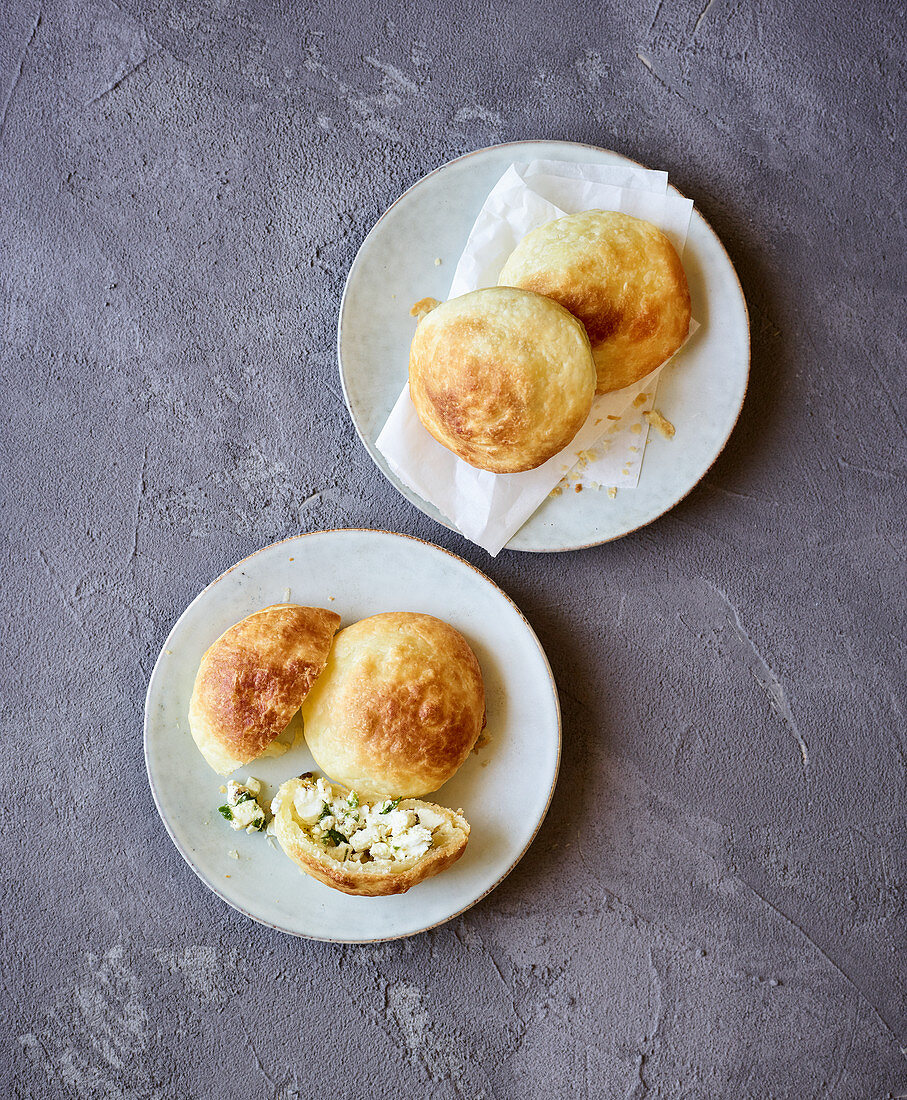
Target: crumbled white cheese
x: 242, y: 809
x: 358, y: 831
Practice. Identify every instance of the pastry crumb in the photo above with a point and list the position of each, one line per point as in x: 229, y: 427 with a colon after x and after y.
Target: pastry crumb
x: 598, y: 421
x: 556, y: 491
x: 634, y: 449
x: 480, y: 744
x: 612, y: 492
x: 233, y: 854
x: 660, y: 423
x: 579, y: 488
x: 423, y: 307
x: 610, y: 417
x: 636, y: 429
x: 437, y: 261
x: 640, y: 399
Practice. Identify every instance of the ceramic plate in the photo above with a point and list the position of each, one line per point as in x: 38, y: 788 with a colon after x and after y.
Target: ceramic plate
x: 504, y: 789
x: 396, y: 266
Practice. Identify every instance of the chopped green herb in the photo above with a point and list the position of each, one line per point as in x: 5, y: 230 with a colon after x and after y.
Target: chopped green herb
x: 325, y: 810
x: 243, y: 796
x: 226, y: 811
x: 259, y: 824
x: 334, y: 837
x: 353, y: 799
x: 392, y: 804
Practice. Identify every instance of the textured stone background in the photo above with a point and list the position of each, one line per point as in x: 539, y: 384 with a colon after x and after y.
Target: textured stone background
x: 707, y: 911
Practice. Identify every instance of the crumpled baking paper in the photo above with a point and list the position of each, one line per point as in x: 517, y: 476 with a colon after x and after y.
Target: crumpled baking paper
x: 607, y: 451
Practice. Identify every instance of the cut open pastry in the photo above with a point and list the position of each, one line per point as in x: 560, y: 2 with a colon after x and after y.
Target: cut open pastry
x: 370, y: 849
x: 254, y: 678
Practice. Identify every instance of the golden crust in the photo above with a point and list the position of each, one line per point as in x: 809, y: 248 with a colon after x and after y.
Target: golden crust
x: 369, y: 879
x: 501, y: 377
x: 253, y: 679
x: 621, y: 277
x: 399, y: 706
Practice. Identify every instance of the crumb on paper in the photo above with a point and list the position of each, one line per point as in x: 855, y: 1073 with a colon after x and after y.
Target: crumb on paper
x: 610, y: 417
x: 169, y: 651
x: 579, y: 488
x: 437, y: 261
x: 332, y: 598
x: 485, y: 763
x: 286, y: 595
x: 636, y: 428
x: 227, y: 876
x: 423, y: 307
x: 556, y: 491
x: 598, y: 421
x: 634, y: 449
x: 660, y: 423
x: 292, y: 559
x: 612, y: 492
x: 233, y: 854
x: 222, y: 789
x: 480, y: 744
x: 626, y: 471
x: 640, y: 399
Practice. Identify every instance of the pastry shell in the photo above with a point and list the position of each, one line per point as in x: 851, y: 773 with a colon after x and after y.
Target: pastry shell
x: 254, y: 678
x: 621, y: 277
x: 374, y: 879
x: 398, y: 708
x: 502, y: 377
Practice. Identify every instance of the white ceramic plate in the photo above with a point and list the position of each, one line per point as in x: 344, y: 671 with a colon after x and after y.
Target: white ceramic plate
x: 504, y: 789
x: 702, y: 394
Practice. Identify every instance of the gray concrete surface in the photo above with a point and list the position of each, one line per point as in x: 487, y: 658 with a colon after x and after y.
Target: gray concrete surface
x: 708, y: 911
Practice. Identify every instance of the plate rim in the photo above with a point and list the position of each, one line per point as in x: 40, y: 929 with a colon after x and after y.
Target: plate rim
x: 370, y: 447
x: 216, y: 890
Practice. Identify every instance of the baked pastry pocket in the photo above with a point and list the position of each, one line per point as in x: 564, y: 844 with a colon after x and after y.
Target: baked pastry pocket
x: 369, y: 849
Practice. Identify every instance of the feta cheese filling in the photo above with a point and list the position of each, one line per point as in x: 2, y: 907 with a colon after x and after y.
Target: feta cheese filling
x: 242, y: 809
x: 359, y: 832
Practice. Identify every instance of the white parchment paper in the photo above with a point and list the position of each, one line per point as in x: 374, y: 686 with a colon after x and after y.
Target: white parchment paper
x: 490, y: 508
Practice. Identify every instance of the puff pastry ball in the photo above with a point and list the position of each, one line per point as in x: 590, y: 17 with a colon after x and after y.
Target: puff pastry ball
x: 502, y: 377
x: 253, y: 679
x: 398, y: 707
x: 621, y: 277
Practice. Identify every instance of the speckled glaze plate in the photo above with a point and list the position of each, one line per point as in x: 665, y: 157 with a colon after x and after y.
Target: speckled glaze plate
x: 504, y: 789
x: 701, y: 394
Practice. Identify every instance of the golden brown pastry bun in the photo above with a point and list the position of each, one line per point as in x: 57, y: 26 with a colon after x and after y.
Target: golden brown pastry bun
x: 621, y: 277
x: 501, y: 377
x: 398, y: 708
x: 254, y: 678
x: 431, y: 838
